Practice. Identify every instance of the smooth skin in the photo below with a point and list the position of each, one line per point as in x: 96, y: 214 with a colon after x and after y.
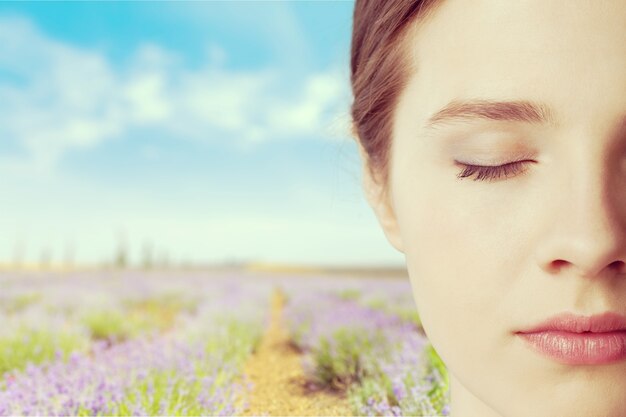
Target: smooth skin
x: 489, y: 258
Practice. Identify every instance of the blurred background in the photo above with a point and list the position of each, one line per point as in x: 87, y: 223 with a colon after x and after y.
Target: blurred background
x: 169, y: 134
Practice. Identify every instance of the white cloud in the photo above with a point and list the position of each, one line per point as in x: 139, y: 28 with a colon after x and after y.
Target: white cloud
x: 64, y: 100
x: 307, y: 114
x: 147, y: 100
x: 73, y: 97
x: 272, y: 24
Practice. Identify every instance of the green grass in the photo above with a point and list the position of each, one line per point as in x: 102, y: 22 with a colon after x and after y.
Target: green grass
x: 153, y: 314
x: 408, y: 314
x: 234, y: 340
x: 111, y: 325
x: 181, y: 397
x: 349, y: 294
x: 20, y: 302
x: 439, y: 393
x: 297, y: 333
x: 346, y: 357
x: 160, y: 311
x: 379, y: 387
x: 227, y: 347
x: 37, y: 346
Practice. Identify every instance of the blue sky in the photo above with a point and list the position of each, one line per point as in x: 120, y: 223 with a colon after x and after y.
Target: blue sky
x: 210, y: 131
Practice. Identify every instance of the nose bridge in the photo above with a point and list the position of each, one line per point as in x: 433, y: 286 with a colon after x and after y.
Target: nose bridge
x: 599, y: 217
x: 589, y: 221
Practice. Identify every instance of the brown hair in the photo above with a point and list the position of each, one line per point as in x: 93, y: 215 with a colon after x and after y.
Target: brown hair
x: 379, y: 71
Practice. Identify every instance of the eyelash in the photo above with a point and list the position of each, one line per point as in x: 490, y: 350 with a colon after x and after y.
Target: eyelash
x: 491, y: 173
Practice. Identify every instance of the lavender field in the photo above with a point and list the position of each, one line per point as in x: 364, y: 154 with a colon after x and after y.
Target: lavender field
x: 175, y: 343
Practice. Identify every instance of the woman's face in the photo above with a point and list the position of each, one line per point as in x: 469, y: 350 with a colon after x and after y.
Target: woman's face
x: 490, y: 258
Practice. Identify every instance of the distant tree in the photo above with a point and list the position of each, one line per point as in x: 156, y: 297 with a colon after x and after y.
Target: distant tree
x: 18, y: 254
x: 45, y: 258
x: 69, y: 255
x: 148, y: 257
x: 121, y: 257
x: 164, y: 259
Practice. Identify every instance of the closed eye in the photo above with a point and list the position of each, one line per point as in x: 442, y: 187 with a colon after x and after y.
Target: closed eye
x: 492, y: 173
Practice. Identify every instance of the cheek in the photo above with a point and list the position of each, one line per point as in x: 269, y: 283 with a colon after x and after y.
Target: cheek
x: 456, y: 260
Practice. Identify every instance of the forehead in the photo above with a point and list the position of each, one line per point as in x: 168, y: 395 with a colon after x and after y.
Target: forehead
x: 567, y: 53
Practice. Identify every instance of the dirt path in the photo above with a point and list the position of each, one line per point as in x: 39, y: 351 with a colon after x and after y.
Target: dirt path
x: 280, y: 387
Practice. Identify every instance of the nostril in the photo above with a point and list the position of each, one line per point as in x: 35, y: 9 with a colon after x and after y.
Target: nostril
x: 618, y: 267
x: 558, y: 264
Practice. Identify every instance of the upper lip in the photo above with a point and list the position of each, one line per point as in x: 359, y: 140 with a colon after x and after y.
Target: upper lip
x: 573, y: 323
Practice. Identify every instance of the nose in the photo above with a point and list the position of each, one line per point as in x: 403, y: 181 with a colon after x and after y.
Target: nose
x: 587, y: 233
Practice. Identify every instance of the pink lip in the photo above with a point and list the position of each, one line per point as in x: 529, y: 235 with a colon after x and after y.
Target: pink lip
x: 580, y: 340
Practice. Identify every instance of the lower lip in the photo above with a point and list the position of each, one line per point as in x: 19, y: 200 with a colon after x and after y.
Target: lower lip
x: 579, y: 348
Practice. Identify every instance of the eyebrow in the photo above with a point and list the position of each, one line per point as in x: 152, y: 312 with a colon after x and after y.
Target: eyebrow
x: 468, y: 110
